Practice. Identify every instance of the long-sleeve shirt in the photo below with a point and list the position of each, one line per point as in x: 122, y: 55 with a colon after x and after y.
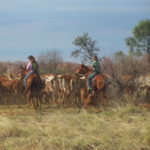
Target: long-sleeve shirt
x: 96, y: 66
x: 29, y: 66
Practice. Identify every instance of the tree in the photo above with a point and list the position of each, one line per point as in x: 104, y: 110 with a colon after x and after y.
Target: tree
x: 132, y: 52
x: 140, y: 42
x: 85, y: 48
x: 119, y: 54
x: 50, y: 60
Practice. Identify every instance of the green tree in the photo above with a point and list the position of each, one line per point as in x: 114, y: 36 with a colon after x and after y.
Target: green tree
x: 86, y: 48
x: 140, y: 41
x: 119, y: 54
x: 132, y: 52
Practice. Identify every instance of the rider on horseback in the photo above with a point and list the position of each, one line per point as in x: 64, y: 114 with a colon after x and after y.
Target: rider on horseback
x: 32, y: 67
x: 96, y: 70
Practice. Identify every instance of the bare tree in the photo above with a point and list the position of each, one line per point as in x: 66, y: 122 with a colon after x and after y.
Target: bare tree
x: 50, y: 60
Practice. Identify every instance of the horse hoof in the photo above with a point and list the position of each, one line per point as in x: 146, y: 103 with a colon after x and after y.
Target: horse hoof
x: 28, y: 106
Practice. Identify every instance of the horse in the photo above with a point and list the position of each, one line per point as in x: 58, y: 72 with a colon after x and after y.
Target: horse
x: 99, y: 86
x: 33, y: 88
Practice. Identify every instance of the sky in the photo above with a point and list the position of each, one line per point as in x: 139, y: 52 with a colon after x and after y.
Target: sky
x: 36, y: 26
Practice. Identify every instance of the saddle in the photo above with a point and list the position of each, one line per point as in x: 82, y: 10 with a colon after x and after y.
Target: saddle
x: 98, y: 81
x: 99, y: 74
x: 34, y: 83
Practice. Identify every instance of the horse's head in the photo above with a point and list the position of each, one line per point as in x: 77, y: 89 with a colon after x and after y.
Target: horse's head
x: 23, y: 72
x: 83, y: 69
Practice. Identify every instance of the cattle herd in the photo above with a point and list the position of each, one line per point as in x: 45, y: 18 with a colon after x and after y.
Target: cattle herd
x: 65, y: 89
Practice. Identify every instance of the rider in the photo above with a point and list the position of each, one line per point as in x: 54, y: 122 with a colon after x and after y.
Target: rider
x: 96, y: 70
x: 32, y: 67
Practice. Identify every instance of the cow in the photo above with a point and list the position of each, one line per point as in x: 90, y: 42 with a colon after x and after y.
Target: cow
x: 51, y: 87
x: 77, y: 84
x: 62, y: 88
x: 143, y: 86
x: 127, y: 84
x: 11, y: 86
x: 8, y: 87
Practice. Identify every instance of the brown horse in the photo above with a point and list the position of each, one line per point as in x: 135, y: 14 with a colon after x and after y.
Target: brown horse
x: 33, y: 88
x: 99, y: 85
x: 83, y: 70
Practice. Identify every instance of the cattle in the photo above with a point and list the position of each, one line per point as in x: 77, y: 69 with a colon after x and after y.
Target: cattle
x: 77, y: 85
x: 62, y: 89
x: 50, y: 85
x: 69, y: 89
x: 59, y: 86
x: 128, y: 84
x: 65, y: 87
x: 57, y: 89
x: 143, y: 86
x: 11, y: 86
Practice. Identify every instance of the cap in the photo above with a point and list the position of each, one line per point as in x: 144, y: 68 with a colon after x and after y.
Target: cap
x: 30, y: 57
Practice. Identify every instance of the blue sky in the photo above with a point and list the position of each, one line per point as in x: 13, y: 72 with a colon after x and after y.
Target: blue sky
x: 35, y: 26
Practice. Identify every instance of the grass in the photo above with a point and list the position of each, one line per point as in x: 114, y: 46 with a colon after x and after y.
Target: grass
x: 122, y: 128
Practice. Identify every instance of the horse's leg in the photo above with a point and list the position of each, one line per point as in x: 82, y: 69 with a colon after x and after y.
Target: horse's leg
x: 28, y: 98
x: 35, y: 99
x: 104, y: 98
x: 90, y: 99
x: 32, y: 100
x: 83, y: 94
x: 38, y: 100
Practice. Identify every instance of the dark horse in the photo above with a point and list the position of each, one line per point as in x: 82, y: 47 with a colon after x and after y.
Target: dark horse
x: 33, y: 88
x: 99, y: 86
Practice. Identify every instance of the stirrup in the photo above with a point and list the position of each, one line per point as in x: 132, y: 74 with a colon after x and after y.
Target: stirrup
x: 90, y: 90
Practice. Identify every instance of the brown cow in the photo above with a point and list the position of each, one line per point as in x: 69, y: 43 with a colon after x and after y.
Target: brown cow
x: 127, y: 84
x: 11, y: 86
x: 8, y: 87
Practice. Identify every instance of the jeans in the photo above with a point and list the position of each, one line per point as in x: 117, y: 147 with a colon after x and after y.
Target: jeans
x: 90, y: 77
x: 26, y: 77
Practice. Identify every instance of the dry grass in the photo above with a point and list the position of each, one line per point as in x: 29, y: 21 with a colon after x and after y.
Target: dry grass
x: 122, y: 128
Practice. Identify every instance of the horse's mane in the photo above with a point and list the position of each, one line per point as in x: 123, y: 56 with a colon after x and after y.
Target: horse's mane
x: 84, y: 66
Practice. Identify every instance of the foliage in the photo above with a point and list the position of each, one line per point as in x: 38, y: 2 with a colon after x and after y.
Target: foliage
x: 119, y: 54
x: 140, y: 42
x: 86, y: 48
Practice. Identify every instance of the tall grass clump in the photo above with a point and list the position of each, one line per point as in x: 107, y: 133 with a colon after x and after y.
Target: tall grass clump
x: 121, y: 128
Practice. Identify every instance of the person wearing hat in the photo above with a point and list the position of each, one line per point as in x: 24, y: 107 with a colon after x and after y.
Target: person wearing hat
x: 32, y: 67
x: 96, y: 70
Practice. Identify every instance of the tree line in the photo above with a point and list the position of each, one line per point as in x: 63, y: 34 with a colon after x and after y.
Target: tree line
x: 136, y: 61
